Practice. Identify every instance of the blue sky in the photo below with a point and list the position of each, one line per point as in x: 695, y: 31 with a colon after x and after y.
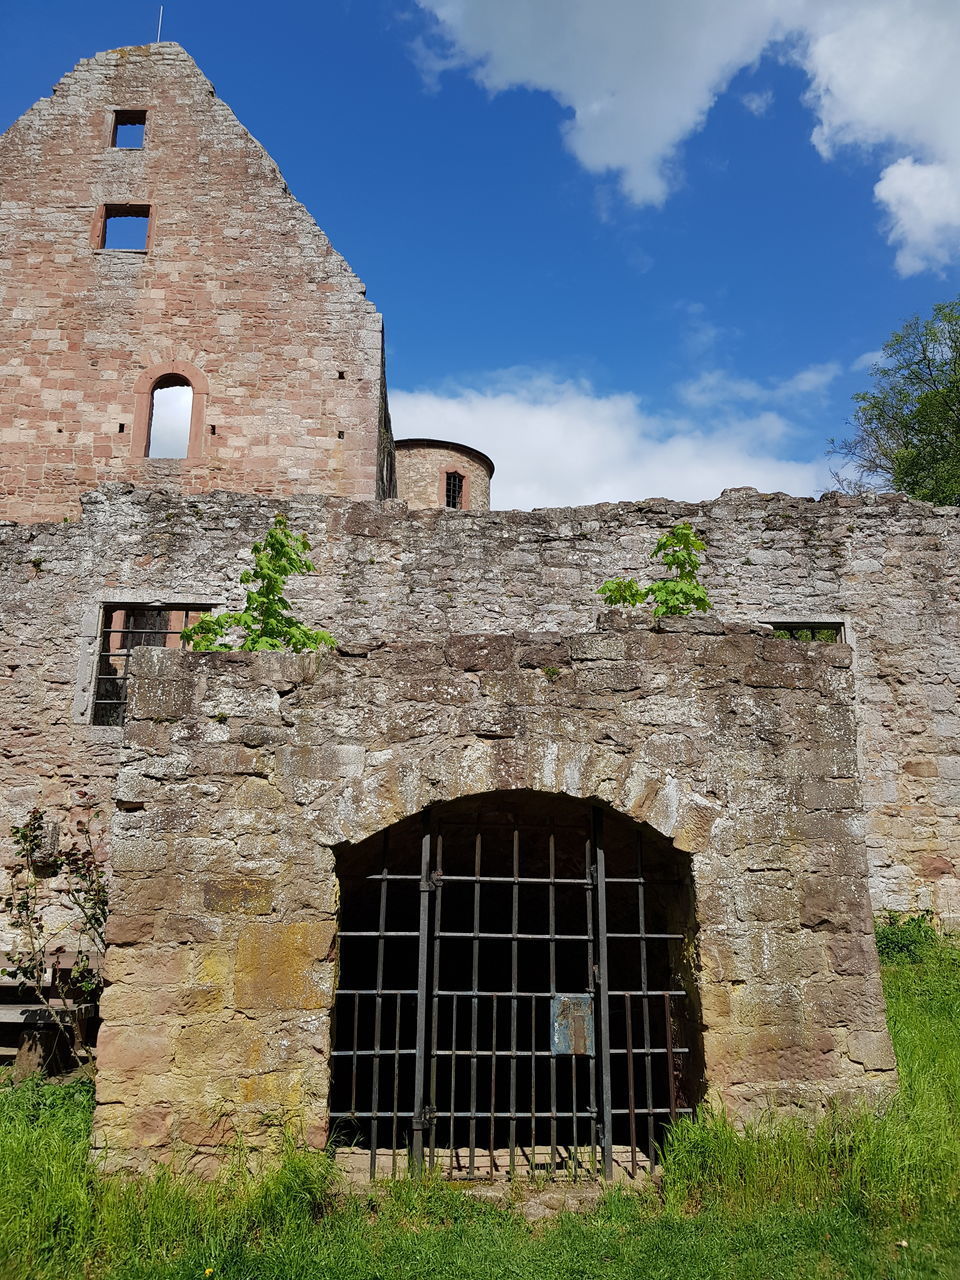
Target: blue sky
x: 629, y: 249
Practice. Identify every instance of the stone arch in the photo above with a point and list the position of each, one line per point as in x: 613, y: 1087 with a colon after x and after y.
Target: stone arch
x: 142, y: 400
x: 405, y: 784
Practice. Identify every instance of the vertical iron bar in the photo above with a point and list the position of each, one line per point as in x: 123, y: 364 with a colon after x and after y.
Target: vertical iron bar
x: 435, y: 1001
x: 395, y: 1139
x: 453, y: 1077
x: 591, y: 985
x: 645, y: 998
x: 552, y: 913
x: 422, y: 962
x: 514, y: 987
x: 604, y: 987
x: 378, y: 1010
x: 493, y: 1076
x: 353, y: 1064
x: 575, y: 1116
x: 472, y: 1158
x: 631, y: 1090
x: 671, y: 1081
x: 533, y: 1083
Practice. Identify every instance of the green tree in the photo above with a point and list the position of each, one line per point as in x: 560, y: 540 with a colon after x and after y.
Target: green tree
x: 266, y: 620
x: 672, y: 597
x: 907, y: 428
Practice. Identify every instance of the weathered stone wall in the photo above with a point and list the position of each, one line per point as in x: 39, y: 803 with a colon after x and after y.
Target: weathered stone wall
x: 422, y: 467
x: 239, y: 290
x: 887, y: 568
x: 247, y: 770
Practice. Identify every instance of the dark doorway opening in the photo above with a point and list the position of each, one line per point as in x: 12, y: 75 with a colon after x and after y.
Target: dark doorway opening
x: 512, y: 990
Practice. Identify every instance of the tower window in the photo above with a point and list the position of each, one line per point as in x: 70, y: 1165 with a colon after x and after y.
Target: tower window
x: 125, y: 226
x: 124, y: 628
x: 171, y: 409
x: 128, y: 130
x: 454, y: 490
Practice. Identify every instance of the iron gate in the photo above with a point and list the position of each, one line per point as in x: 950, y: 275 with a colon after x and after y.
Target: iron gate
x: 503, y: 1005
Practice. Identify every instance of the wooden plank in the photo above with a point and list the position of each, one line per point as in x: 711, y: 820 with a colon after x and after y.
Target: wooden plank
x: 41, y: 1012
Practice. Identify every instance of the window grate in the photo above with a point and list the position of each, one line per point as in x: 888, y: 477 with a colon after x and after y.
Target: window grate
x: 454, y: 490
x: 125, y: 627
x: 546, y: 1038
x: 809, y: 632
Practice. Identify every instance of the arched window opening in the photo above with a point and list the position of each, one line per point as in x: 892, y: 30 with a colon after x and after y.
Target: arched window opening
x: 171, y: 408
x: 512, y: 992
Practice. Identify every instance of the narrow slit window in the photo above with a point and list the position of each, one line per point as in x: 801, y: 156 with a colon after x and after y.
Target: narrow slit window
x: 125, y: 226
x: 171, y: 408
x: 454, y: 490
x: 124, y: 628
x: 809, y: 632
x: 128, y: 130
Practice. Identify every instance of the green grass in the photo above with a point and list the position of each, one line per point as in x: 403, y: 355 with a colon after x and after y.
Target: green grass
x: 778, y: 1202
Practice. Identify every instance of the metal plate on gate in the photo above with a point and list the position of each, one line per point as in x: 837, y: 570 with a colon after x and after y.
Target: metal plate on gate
x: 572, y: 1020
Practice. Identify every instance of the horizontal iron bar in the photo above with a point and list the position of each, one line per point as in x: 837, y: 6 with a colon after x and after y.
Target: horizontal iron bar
x: 642, y: 995
x: 640, y: 1053
x: 517, y: 937
x: 506, y: 995
x: 482, y: 1115
x: 388, y: 1052
x: 557, y: 881
x: 374, y: 991
x: 375, y: 933
x: 646, y: 937
x: 653, y: 1111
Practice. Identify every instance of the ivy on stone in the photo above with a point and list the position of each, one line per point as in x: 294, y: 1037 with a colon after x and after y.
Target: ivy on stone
x: 675, y: 597
x: 266, y: 620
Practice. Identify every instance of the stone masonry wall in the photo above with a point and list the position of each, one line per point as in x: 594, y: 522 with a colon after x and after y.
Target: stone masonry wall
x: 239, y: 290
x: 247, y: 770
x: 886, y: 568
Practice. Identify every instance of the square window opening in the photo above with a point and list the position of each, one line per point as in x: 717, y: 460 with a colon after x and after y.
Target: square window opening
x: 125, y: 227
x: 124, y: 627
x: 810, y: 632
x: 128, y: 130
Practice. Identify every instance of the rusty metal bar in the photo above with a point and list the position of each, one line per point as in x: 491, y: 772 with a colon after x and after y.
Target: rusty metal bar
x: 426, y: 888
x: 631, y: 1090
x: 603, y: 999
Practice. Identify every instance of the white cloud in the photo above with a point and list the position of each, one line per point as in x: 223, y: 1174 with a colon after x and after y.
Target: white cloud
x: 758, y: 104
x: 639, y: 77
x: 561, y: 443
x: 716, y: 387
x: 866, y: 361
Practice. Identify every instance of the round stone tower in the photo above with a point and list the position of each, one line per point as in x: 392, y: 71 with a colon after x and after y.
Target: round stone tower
x: 438, y: 473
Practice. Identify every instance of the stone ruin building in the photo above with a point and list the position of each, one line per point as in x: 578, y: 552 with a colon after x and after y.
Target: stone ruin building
x: 506, y: 880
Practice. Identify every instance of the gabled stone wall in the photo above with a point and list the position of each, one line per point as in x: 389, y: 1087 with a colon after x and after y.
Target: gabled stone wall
x: 239, y: 290
x: 246, y: 771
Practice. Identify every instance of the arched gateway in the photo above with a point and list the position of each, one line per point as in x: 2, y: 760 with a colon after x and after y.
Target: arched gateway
x: 512, y: 992
x: 423, y: 898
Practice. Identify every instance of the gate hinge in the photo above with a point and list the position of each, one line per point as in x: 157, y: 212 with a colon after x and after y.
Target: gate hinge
x: 434, y: 882
x: 425, y: 1118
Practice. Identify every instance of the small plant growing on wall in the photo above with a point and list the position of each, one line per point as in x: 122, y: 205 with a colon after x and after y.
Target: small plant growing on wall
x: 82, y: 886
x: 675, y: 597
x: 266, y: 620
